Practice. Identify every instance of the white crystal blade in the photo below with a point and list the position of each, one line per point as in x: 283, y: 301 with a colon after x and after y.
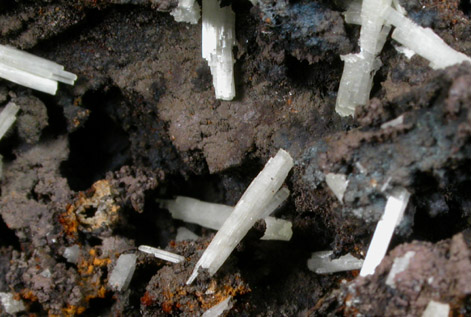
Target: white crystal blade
x: 14, y: 55
x: 247, y: 211
x: 208, y: 215
x: 162, y: 254
x: 35, y: 65
x: 423, y: 41
x: 26, y: 79
x: 32, y: 71
x: 213, y: 216
x: 395, y: 206
x: 218, y: 38
x: 7, y: 117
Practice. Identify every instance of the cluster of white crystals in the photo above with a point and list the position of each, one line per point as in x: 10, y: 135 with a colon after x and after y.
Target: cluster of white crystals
x: 218, y: 38
x: 393, y: 212
x: 321, y: 263
x: 213, y: 216
x: 399, y: 265
x: 359, y: 69
x: 10, y: 304
x: 162, y: 254
x: 219, y: 309
x: 376, y: 18
x: 248, y: 210
x: 122, y: 273
x: 187, y: 11
x: 32, y: 71
x: 436, y: 309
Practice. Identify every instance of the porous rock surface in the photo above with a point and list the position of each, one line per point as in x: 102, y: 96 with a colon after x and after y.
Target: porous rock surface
x: 83, y: 168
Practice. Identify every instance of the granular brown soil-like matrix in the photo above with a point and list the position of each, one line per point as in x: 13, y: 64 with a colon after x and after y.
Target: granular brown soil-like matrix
x: 83, y: 169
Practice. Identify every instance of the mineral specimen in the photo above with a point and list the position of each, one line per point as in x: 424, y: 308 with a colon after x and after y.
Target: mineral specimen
x: 247, y: 211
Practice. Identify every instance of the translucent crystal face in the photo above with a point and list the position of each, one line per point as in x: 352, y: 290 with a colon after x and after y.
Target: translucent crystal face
x: 123, y: 271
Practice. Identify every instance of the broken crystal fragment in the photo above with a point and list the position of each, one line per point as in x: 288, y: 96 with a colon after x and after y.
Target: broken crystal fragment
x: 162, y: 254
x: 186, y: 11
x: 395, y: 207
x: 376, y: 18
x: 408, y: 53
x: 219, y: 309
x: 46, y: 273
x: 122, y: 273
x: 218, y: 38
x: 213, y: 216
x: 338, y: 184
x: 321, y: 263
x: 277, y: 229
x: 248, y: 210
x: 423, y: 41
x: 436, y: 309
x: 7, y: 117
x: 10, y: 304
x: 185, y: 234
x: 400, y: 264
x: 32, y: 71
x: 353, y: 13
x: 72, y: 254
x: 393, y: 123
